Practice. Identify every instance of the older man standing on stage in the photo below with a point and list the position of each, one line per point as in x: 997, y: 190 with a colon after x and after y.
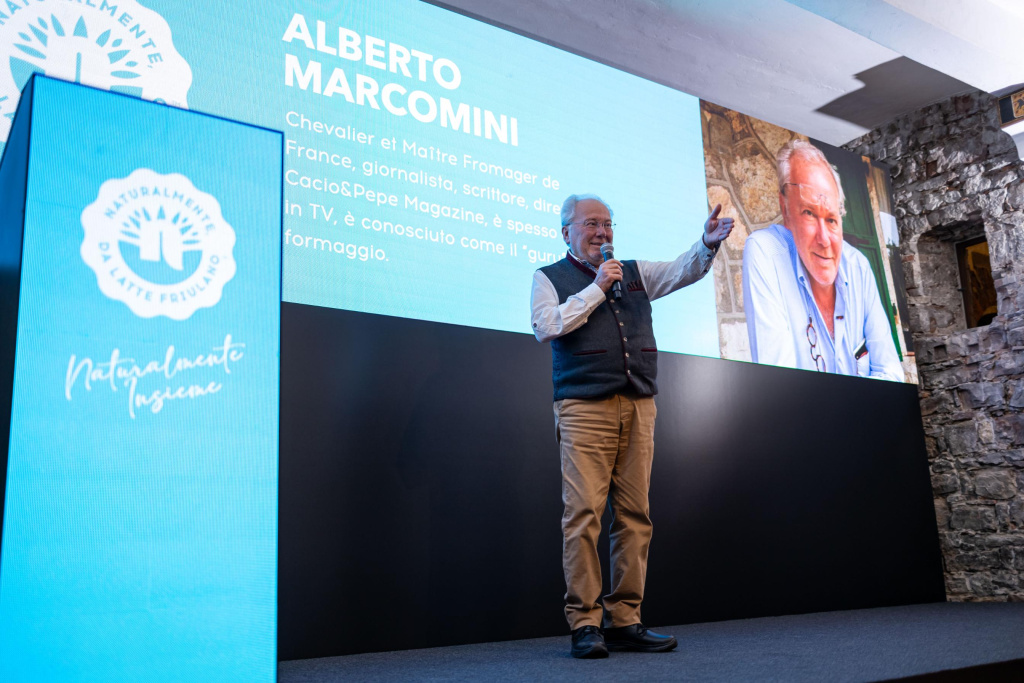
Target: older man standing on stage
x: 604, y: 367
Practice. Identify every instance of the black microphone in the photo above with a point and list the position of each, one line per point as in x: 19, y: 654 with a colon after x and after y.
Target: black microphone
x: 608, y: 252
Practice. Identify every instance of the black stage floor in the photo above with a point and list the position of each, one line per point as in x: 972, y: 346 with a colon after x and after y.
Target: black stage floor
x: 936, y: 642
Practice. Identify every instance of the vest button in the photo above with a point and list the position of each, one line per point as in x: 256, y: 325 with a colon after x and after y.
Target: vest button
x: 627, y: 354
x: 624, y: 339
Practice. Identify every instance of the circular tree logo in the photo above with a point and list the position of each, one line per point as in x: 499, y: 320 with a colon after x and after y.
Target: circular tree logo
x: 117, y: 45
x: 158, y: 244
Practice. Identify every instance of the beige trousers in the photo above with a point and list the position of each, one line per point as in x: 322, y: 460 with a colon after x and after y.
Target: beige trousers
x: 606, y: 446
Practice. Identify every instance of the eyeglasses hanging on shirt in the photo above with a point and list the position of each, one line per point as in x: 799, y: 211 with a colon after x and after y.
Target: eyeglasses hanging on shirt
x: 812, y: 339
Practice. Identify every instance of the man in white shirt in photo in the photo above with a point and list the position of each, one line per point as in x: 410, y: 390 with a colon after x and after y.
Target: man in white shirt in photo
x: 810, y: 298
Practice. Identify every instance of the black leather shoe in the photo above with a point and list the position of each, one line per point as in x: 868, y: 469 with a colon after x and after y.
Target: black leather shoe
x: 588, y: 643
x: 636, y: 638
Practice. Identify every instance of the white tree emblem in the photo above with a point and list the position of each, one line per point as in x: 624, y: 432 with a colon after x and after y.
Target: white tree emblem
x: 160, y: 218
x: 117, y: 45
x: 159, y: 238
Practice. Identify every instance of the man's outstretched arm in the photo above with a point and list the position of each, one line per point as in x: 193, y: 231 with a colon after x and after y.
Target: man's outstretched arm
x: 664, y: 277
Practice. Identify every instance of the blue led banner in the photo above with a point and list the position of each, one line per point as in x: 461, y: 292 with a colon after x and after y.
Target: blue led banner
x: 426, y: 154
x: 140, y: 528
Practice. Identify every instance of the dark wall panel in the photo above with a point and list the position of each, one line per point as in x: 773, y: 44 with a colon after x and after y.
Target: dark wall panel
x: 420, y: 489
x: 778, y: 491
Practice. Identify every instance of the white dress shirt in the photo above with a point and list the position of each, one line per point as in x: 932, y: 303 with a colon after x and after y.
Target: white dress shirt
x: 551, y: 319
x: 780, y: 306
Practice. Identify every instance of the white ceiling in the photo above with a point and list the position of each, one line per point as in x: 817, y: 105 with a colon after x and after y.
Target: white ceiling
x: 831, y: 69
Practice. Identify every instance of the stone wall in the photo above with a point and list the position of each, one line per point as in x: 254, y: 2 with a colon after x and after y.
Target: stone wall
x: 956, y: 175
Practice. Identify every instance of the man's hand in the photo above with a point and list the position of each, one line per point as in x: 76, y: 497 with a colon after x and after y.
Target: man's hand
x: 716, y: 229
x: 608, y: 274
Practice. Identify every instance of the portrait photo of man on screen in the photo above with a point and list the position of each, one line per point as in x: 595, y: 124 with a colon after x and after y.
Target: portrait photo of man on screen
x: 811, y: 298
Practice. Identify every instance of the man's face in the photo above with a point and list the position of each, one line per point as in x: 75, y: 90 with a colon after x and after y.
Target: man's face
x: 590, y: 228
x: 810, y: 209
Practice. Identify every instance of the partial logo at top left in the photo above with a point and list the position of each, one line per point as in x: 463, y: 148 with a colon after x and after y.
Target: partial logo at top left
x: 117, y: 45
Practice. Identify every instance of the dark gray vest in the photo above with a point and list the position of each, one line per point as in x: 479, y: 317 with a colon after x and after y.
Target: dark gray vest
x: 614, y: 352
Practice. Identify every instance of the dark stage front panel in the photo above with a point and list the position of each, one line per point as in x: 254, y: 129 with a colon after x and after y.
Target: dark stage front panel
x: 420, y: 489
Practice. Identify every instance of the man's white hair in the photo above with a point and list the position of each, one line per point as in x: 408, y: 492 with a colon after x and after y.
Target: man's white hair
x: 808, y: 152
x: 569, y: 206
